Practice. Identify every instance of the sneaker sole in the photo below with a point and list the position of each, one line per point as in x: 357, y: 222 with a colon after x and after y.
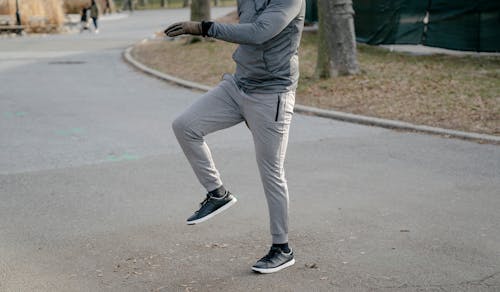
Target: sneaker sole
x: 220, y: 210
x: 273, y: 270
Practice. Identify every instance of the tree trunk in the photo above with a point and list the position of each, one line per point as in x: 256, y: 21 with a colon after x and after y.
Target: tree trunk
x: 200, y: 10
x: 337, y: 40
x: 186, y: 3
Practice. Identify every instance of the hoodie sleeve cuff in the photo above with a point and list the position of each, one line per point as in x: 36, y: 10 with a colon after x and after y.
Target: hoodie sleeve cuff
x: 205, y: 27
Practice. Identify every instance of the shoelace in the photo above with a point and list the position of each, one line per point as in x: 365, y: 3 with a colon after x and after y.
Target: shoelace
x: 270, y: 255
x: 205, y: 201
x: 212, y: 197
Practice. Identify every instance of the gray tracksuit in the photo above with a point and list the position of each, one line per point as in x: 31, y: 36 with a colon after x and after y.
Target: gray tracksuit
x: 269, y: 36
x: 261, y: 93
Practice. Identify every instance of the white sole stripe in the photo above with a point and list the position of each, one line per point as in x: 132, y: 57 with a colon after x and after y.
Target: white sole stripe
x: 221, y: 209
x: 273, y: 270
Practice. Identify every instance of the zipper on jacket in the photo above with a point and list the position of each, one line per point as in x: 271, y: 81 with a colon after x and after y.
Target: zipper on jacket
x: 277, y: 110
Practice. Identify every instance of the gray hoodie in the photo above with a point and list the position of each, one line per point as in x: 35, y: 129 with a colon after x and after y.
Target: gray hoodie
x: 269, y: 35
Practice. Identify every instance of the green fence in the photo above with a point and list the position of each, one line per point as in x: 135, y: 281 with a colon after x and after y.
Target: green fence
x: 311, y: 11
x: 454, y: 24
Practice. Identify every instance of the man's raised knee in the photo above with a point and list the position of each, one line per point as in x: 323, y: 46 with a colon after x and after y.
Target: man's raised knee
x: 179, y: 126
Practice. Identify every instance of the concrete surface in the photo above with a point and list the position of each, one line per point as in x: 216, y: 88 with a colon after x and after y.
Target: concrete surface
x: 94, y: 189
x: 426, y: 50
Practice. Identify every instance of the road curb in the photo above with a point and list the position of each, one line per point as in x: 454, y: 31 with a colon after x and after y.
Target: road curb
x: 185, y: 83
x: 342, y: 116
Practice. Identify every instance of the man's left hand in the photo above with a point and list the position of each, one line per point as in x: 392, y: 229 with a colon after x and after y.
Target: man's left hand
x: 186, y: 27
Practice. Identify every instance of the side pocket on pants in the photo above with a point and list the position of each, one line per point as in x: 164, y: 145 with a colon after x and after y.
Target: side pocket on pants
x: 284, y: 107
x: 278, y: 108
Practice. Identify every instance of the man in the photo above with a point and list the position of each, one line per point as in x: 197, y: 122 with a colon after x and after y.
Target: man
x: 261, y: 93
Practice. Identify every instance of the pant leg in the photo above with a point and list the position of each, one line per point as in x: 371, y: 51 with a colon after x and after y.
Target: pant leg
x: 94, y: 19
x: 217, y: 109
x: 269, y: 117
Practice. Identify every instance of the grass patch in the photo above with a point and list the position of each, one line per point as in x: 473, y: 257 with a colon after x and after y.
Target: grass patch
x: 37, y: 16
x: 461, y: 93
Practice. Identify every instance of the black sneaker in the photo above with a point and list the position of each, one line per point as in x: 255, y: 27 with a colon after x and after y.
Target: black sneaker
x: 274, y: 261
x: 210, y: 207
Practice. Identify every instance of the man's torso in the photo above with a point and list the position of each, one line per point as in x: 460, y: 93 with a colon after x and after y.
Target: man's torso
x: 272, y: 66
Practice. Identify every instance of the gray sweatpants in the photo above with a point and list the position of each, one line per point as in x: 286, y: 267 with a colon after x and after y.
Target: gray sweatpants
x: 268, y: 117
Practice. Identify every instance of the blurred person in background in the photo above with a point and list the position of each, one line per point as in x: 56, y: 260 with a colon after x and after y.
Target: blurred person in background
x: 84, y: 19
x: 94, y: 14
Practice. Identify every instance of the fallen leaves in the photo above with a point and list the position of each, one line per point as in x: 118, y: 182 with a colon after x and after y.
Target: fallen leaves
x: 311, y: 266
x: 135, y: 266
x: 216, y: 245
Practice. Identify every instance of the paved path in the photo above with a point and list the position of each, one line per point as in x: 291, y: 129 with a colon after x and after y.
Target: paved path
x: 94, y: 190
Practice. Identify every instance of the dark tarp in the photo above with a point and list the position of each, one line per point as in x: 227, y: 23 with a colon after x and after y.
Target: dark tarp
x: 389, y: 21
x: 464, y: 25
x: 455, y: 24
x: 311, y: 11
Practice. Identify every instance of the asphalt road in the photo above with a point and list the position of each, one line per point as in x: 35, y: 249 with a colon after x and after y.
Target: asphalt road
x: 94, y: 189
